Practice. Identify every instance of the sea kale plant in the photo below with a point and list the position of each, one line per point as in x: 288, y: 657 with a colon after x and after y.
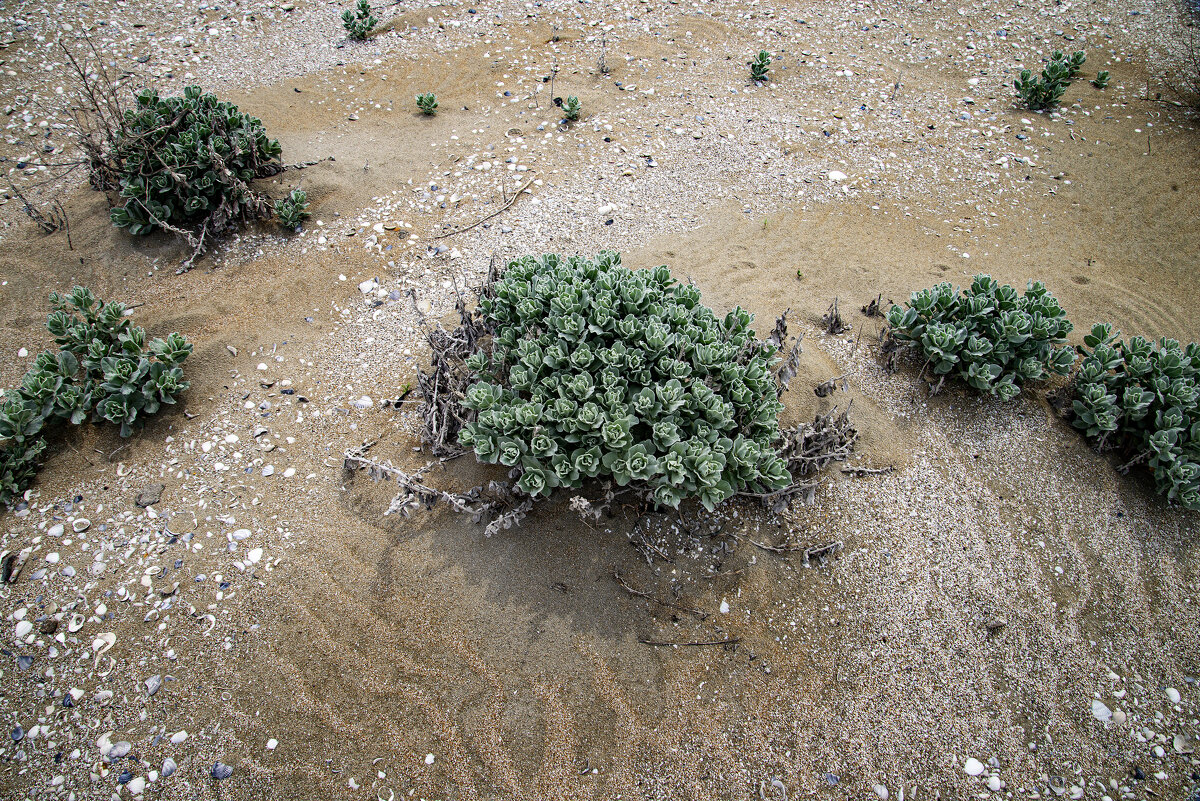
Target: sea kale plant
x: 571, y: 108
x: 184, y: 164
x: 1040, y: 92
x: 1140, y: 398
x: 427, y: 103
x: 599, y: 371
x: 104, y: 369
x: 575, y: 373
x: 360, y: 22
x: 292, y: 210
x: 759, y: 66
x: 990, y: 335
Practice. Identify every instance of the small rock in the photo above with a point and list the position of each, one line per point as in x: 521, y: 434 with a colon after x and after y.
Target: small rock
x: 1173, y: 695
x: 18, y: 734
x: 838, y: 176
x: 994, y: 784
x: 973, y: 767
x: 150, y: 495
x: 178, y: 737
x: 23, y: 629
x: 153, y: 684
x: 881, y: 791
x: 272, y: 744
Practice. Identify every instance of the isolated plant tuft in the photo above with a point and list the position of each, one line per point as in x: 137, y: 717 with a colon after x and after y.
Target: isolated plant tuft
x: 1141, y: 398
x: 1044, y: 91
x: 598, y: 371
x: 989, y: 335
x: 427, y: 103
x: 105, y: 368
x: 292, y: 210
x: 571, y: 108
x: 186, y: 163
x: 360, y: 22
x: 759, y: 66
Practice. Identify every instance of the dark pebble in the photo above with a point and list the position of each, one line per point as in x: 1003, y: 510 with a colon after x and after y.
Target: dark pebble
x: 125, y: 778
x: 18, y: 734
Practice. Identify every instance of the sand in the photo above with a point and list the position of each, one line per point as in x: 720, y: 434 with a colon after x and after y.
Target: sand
x: 988, y: 590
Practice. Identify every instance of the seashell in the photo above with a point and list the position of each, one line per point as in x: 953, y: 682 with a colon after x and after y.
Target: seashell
x: 221, y: 771
x: 101, y: 644
x: 80, y: 525
x: 212, y: 623
x: 168, y: 767
x: 119, y: 749
x: 24, y: 627
x: 112, y: 663
x: 1184, y: 744
x: 103, y: 697
x: 75, y: 623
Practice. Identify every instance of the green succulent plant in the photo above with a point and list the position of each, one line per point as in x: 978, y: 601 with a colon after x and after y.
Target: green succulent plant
x: 571, y: 108
x: 991, y: 336
x: 1044, y: 91
x: 105, y: 368
x: 1142, y: 398
x: 594, y: 370
x: 360, y: 22
x: 186, y: 162
x: 1101, y: 79
x: 427, y: 103
x: 759, y: 66
x: 292, y: 210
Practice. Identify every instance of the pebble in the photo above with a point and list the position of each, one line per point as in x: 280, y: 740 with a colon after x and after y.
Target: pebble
x: 837, y: 176
x: 272, y: 744
x: 973, y: 767
x: 23, y: 629
x: 18, y: 734
x: 1173, y: 695
x: 994, y: 784
x: 881, y: 791
x: 429, y: 759
x: 178, y: 737
x: 255, y: 555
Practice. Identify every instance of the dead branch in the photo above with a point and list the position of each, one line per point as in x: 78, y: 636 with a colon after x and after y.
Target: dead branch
x: 834, y: 324
x: 868, y: 471
x: 730, y: 641
x: 496, y: 213
x: 650, y: 597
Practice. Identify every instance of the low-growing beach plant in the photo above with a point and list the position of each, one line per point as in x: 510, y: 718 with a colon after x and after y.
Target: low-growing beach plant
x: 292, y: 210
x: 184, y: 164
x: 1101, y: 79
x: 104, y: 368
x: 360, y: 22
x: 571, y: 108
x: 580, y: 375
x: 1044, y: 91
x: 990, y: 335
x: 759, y: 66
x: 427, y: 103
x: 1141, y: 398
x: 596, y: 370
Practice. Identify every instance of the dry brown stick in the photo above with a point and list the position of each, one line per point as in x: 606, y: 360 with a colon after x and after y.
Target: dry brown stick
x: 868, y: 471
x: 482, y: 220
x: 730, y: 641
x: 659, y: 601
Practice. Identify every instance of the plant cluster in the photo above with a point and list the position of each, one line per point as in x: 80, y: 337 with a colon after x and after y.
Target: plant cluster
x: 1039, y: 92
x: 360, y: 22
x: 1142, y: 398
x: 1101, y: 79
x: 571, y: 108
x: 427, y: 103
x: 292, y: 210
x: 598, y: 371
x: 105, y: 368
x: 187, y: 163
x: 759, y: 66
x: 990, y: 335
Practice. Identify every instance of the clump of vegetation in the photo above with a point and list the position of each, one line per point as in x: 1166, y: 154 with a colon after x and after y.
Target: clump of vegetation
x: 596, y: 370
x: 292, y: 210
x: 1101, y: 79
x: 1044, y: 91
x: 989, y: 335
x: 1141, y: 398
x: 576, y: 371
x: 759, y: 67
x: 104, y: 368
x: 571, y: 108
x: 360, y: 22
x: 180, y: 164
x: 427, y: 103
